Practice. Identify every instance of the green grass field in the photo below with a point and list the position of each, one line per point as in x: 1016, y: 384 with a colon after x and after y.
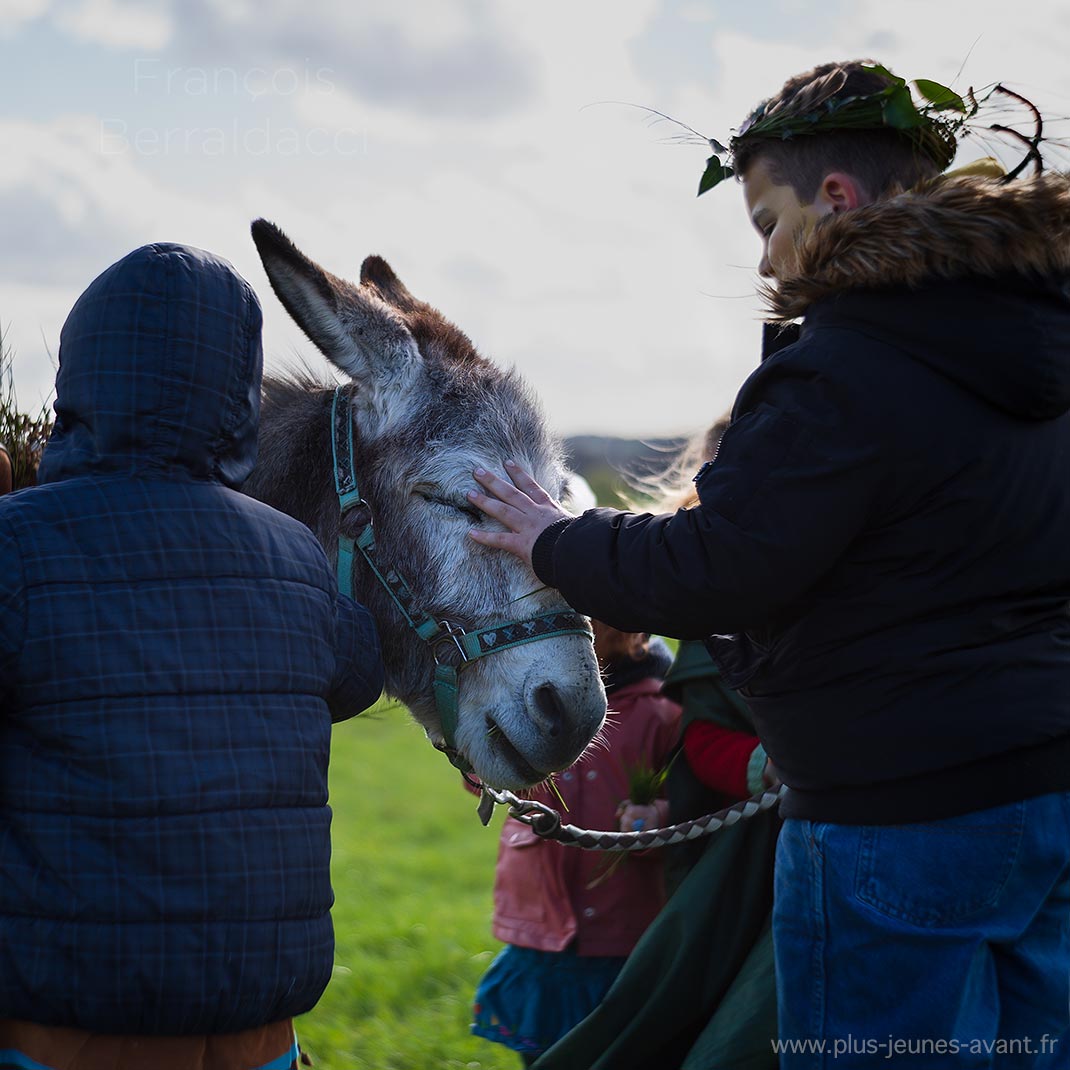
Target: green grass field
x: 413, y: 871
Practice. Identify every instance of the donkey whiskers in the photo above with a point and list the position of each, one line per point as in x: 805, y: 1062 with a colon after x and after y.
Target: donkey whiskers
x: 538, y: 590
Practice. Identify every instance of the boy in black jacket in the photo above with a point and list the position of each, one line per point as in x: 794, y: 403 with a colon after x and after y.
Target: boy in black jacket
x: 880, y: 562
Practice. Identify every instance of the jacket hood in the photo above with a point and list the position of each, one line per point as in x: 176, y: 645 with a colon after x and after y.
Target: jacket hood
x: 968, y: 274
x: 160, y: 363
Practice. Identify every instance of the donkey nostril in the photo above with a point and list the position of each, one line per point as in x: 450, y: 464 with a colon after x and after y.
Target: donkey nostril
x: 550, y: 706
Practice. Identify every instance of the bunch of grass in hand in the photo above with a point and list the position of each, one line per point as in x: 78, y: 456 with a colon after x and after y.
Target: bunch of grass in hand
x: 645, y: 784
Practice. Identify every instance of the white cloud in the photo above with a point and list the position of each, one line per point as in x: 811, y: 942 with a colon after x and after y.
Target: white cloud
x: 118, y: 24
x: 444, y: 59
x: 59, y: 198
x: 14, y: 13
x: 563, y: 238
x: 70, y: 211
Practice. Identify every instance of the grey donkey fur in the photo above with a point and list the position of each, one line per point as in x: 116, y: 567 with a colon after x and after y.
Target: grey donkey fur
x: 426, y: 410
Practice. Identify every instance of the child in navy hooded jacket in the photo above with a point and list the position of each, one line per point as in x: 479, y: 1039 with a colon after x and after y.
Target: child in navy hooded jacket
x: 172, y: 655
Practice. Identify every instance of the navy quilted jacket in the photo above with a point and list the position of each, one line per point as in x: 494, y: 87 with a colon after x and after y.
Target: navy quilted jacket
x: 172, y: 654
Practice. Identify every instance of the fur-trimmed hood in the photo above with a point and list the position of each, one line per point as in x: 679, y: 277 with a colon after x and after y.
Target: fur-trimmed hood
x: 950, y: 228
x: 968, y: 275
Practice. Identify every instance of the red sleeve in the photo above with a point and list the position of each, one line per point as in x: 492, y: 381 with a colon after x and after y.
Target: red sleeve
x: 718, y: 756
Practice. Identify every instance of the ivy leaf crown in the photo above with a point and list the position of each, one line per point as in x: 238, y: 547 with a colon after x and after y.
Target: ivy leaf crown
x: 932, y: 121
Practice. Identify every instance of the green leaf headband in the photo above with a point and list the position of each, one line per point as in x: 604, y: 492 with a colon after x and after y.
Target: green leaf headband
x: 927, y: 124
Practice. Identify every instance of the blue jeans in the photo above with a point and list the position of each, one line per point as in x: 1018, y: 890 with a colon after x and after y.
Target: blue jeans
x: 943, y: 944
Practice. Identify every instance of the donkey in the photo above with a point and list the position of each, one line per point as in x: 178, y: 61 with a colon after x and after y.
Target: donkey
x: 423, y: 409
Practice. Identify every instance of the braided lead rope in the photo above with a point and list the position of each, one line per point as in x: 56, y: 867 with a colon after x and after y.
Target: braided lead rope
x: 546, y: 822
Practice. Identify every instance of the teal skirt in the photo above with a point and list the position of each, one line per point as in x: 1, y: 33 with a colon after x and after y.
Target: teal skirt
x: 529, y: 999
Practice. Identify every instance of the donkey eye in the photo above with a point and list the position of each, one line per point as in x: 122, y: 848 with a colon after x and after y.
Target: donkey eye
x: 467, y: 510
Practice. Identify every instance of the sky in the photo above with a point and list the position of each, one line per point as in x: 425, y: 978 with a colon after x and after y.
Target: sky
x: 495, y: 153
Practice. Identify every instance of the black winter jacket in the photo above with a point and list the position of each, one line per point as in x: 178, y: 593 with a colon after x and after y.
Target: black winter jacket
x: 880, y: 559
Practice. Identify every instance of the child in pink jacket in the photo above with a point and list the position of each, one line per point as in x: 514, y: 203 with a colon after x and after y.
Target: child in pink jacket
x: 570, y: 917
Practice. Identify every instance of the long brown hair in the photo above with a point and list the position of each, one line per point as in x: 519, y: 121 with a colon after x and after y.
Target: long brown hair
x: 675, y: 489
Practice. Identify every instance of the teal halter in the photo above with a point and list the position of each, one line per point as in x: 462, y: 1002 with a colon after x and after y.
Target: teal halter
x: 452, y: 647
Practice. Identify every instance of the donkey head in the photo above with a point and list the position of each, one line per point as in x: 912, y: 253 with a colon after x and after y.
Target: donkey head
x: 426, y: 409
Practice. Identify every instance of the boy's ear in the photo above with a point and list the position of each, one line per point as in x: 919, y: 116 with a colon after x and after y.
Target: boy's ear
x: 840, y: 192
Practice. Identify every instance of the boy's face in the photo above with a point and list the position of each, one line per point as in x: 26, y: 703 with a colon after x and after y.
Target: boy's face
x: 781, y: 219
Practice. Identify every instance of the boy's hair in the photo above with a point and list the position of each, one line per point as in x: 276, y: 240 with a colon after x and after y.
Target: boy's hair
x: 881, y: 158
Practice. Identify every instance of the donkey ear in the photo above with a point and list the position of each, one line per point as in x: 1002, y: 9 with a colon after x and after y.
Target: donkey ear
x: 353, y: 326
x: 375, y: 271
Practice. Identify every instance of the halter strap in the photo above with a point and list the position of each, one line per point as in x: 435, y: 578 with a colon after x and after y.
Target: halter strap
x: 451, y: 646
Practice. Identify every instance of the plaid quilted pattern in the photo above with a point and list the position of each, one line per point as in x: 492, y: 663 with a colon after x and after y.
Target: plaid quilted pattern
x: 159, y: 368
x: 172, y: 654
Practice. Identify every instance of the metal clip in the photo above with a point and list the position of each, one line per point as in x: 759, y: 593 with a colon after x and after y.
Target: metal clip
x: 486, y: 807
x: 540, y: 818
x: 453, y: 633
x: 530, y: 811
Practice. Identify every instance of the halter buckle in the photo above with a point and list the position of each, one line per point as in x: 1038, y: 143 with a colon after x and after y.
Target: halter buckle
x: 453, y: 634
